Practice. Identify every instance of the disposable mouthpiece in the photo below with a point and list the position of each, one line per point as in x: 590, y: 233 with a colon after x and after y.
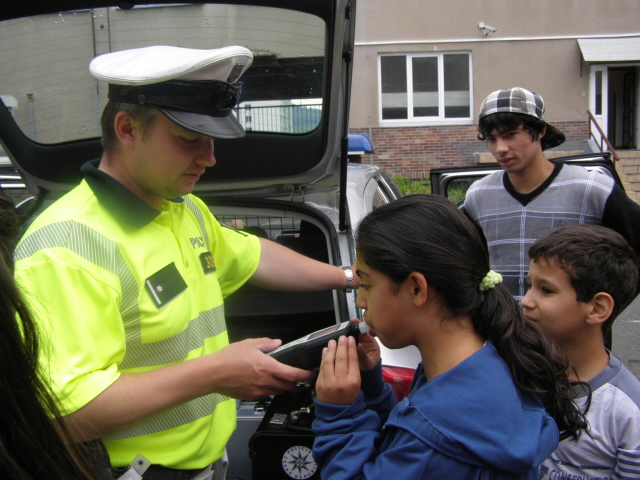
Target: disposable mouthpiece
x: 363, y: 327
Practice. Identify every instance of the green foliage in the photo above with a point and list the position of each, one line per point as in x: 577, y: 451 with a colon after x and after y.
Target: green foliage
x: 456, y: 195
x: 409, y: 186
x: 412, y: 185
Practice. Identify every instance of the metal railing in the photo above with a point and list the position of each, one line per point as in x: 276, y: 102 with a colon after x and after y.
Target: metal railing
x: 279, y: 118
x: 603, y: 138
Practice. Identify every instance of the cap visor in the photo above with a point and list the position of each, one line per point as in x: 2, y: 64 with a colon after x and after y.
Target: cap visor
x: 552, y: 138
x: 216, y: 127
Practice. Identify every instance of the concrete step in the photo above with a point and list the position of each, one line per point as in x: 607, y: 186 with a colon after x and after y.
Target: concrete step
x: 630, y: 170
x: 628, y: 153
x: 633, y: 195
x: 628, y: 161
x: 628, y: 167
x: 631, y: 184
x: 631, y: 178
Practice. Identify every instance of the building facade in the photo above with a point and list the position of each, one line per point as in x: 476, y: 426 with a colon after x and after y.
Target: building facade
x: 422, y: 68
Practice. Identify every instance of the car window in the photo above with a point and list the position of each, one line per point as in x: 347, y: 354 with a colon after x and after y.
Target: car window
x: 456, y: 190
x: 47, y: 87
x: 380, y: 189
x: 600, y: 170
x: 374, y: 196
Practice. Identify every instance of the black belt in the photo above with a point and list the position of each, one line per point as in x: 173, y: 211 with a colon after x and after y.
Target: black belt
x: 158, y: 472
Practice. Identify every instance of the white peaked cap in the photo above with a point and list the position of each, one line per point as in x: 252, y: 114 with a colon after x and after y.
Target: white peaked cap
x: 142, y: 66
x: 161, y: 76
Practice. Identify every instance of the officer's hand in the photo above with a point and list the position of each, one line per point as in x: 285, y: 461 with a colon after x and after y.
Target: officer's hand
x: 339, y: 378
x: 246, y: 373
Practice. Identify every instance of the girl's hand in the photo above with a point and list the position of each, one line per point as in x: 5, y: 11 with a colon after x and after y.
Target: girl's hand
x: 339, y: 377
x: 368, y: 351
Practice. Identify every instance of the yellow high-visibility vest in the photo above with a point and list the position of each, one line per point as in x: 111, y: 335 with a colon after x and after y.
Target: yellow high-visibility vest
x: 117, y: 289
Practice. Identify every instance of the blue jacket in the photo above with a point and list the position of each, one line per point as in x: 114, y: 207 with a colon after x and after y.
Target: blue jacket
x: 468, y: 423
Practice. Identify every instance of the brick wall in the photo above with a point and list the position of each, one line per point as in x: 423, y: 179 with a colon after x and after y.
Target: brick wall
x: 629, y: 170
x: 413, y: 151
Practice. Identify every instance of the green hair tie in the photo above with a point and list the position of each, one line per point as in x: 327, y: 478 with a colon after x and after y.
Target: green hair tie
x: 490, y: 280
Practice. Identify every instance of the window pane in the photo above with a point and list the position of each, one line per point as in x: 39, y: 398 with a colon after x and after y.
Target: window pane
x: 374, y: 196
x: 457, y: 189
x: 598, y: 93
x: 393, y: 72
x: 425, y: 87
x: 56, y: 99
x: 457, y: 95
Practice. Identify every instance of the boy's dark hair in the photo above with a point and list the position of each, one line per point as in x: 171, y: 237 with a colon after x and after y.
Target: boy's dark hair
x: 596, y: 259
x: 506, y: 122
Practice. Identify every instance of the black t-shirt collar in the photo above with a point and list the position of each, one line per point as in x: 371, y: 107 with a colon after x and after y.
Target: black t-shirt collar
x: 118, y: 199
x: 526, y: 198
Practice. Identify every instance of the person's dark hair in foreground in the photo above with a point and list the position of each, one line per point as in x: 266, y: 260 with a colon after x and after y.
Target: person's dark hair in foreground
x: 33, y: 442
x: 9, y: 226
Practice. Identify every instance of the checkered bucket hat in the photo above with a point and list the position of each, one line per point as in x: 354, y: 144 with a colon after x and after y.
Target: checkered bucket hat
x: 520, y: 100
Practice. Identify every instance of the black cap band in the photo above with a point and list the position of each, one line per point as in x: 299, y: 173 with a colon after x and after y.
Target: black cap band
x: 213, y: 98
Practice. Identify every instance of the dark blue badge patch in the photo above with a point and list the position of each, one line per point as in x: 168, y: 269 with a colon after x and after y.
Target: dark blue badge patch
x: 165, y: 285
x: 208, y: 264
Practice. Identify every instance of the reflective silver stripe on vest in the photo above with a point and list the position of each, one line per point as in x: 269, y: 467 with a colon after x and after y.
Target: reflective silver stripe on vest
x: 104, y: 253
x: 193, y: 208
x: 96, y: 249
x: 180, y: 415
x: 207, y: 325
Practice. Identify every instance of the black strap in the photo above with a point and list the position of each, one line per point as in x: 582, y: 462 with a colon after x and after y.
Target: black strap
x: 211, y: 98
x: 158, y: 472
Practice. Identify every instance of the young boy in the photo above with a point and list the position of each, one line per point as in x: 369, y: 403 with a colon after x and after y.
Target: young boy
x: 580, y: 278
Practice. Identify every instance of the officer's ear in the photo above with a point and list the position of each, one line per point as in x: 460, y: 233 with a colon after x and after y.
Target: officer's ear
x: 126, y: 128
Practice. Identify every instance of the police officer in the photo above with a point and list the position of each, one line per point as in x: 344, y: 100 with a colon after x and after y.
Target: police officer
x: 130, y: 271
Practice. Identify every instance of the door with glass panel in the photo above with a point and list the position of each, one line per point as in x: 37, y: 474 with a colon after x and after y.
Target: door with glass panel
x: 598, y: 99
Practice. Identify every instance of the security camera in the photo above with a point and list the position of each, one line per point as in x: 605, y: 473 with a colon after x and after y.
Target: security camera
x: 487, y: 28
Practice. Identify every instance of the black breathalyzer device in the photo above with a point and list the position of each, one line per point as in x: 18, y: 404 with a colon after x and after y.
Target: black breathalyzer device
x: 306, y: 352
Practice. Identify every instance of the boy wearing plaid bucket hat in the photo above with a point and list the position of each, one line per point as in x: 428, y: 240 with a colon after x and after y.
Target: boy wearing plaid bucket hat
x: 132, y: 270
x: 532, y: 194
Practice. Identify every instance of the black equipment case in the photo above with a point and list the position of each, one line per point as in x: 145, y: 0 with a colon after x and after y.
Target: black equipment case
x: 280, y: 449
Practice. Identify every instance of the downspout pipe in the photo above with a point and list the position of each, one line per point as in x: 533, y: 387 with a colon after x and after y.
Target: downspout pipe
x: 32, y: 123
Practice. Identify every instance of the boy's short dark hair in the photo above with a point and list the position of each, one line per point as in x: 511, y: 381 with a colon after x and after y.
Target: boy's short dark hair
x: 596, y: 259
x: 506, y: 122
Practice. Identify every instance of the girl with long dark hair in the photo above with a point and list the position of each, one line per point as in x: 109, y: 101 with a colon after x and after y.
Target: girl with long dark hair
x: 490, y: 398
x: 34, y: 444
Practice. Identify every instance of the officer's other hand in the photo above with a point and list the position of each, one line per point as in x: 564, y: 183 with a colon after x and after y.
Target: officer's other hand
x: 246, y: 373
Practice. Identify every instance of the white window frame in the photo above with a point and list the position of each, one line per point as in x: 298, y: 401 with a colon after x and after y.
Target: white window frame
x: 425, y: 121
